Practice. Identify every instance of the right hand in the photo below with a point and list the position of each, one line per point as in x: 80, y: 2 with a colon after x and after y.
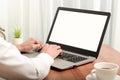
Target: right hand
x: 52, y: 50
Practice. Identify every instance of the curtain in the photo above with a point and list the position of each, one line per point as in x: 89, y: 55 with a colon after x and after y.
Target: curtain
x: 35, y: 17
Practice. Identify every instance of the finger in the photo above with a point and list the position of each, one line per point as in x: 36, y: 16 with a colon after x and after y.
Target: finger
x: 46, y: 45
x: 35, y: 41
x: 42, y: 44
x: 39, y: 42
x: 59, y: 47
x: 36, y: 46
x: 60, y: 51
x: 56, y: 46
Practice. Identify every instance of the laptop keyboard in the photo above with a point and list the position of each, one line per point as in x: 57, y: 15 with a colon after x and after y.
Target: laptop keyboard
x: 71, y: 57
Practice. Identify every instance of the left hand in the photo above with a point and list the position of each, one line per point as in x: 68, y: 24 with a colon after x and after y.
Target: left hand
x: 30, y: 45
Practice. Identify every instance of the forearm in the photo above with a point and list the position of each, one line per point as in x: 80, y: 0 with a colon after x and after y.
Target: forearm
x: 13, y: 65
x: 42, y: 63
x: 30, y: 69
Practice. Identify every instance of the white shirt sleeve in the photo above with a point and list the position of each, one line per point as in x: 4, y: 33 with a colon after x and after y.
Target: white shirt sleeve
x: 15, y: 66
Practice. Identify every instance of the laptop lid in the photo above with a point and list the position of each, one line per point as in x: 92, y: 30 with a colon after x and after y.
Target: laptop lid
x: 77, y: 30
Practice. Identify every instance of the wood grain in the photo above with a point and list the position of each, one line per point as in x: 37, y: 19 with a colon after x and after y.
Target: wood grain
x: 107, y: 54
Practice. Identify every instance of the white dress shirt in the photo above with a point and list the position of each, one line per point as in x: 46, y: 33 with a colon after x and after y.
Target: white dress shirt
x: 15, y: 66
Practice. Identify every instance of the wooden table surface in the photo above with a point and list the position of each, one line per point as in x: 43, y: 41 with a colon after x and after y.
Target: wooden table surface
x: 107, y: 54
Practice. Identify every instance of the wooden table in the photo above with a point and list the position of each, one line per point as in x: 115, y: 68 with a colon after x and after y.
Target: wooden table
x: 107, y: 54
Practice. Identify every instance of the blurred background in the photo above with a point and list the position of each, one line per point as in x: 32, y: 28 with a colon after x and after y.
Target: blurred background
x: 35, y: 17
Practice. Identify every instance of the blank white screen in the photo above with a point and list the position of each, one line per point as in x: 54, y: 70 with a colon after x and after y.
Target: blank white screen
x: 81, y: 30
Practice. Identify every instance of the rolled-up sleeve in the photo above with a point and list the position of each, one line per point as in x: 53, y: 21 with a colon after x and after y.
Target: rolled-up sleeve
x: 15, y: 66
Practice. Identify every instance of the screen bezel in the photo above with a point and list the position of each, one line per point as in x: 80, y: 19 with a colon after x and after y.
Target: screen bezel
x: 75, y: 49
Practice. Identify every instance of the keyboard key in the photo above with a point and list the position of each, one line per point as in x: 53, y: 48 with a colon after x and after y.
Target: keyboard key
x: 71, y: 57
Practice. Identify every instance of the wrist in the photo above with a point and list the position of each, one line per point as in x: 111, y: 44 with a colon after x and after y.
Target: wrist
x: 20, y: 48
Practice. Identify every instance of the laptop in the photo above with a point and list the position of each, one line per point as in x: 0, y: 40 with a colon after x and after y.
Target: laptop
x: 80, y: 34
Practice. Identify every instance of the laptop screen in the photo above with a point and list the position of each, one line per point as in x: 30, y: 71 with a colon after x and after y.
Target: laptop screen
x: 80, y: 29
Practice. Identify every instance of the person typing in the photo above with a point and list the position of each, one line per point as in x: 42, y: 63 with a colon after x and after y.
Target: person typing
x: 15, y: 66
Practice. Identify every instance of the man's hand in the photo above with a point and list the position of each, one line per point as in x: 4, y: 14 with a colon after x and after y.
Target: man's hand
x: 30, y: 45
x: 52, y: 50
